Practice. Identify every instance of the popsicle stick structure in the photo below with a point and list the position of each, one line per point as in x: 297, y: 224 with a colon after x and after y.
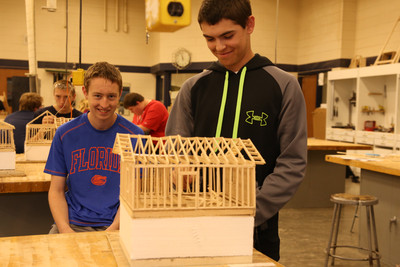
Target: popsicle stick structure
x: 173, y: 185
x: 39, y: 136
x: 389, y: 57
x: 7, y: 146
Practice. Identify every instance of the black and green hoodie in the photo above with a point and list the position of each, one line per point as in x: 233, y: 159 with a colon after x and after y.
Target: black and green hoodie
x: 270, y: 111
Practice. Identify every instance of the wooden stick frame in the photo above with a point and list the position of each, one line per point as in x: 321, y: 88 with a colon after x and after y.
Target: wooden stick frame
x: 39, y: 134
x: 190, y: 176
x: 6, y: 136
x: 393, y: 55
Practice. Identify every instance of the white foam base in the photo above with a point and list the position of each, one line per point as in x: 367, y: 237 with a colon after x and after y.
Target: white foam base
x: 37, y: 152
x: 190, y: 237
x: 7, y: 160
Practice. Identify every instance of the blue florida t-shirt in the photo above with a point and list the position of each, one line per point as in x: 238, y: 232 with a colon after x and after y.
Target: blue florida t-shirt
x: 84, y: 155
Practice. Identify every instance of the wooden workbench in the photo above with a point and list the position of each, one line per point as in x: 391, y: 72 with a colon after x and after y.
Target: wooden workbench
x: 380, y: 177
x: 389, y: 164
x: 321, y: 178
x: 319, y: 144
x: 77, y: 249
x: 28, y: 176
x: 24, y: 208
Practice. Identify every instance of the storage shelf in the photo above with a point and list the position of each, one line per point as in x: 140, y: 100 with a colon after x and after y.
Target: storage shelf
x: 377, y: 98
x: 373, y: 111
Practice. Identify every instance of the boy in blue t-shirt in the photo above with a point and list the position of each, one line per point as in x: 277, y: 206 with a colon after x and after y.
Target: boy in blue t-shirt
x: 81, y: 157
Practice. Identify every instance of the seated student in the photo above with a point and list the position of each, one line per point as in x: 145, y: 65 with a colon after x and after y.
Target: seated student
x: 28, y: 104
x: 64, y: 95
x: 82, y: 152
x: 2, y: 108
x: 150, y: 115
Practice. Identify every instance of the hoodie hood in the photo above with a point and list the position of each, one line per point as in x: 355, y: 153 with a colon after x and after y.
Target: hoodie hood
x: 256, y: 62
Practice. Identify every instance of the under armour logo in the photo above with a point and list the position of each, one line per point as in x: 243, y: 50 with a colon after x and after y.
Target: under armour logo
x: 251, y: 118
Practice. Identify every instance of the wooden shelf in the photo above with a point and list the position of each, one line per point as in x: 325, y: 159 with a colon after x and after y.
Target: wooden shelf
x: 375, y: 93
x: 373, y: 111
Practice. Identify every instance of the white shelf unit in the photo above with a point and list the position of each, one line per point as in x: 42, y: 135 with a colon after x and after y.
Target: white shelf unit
x: 341, y: 86
x: 377, y: 99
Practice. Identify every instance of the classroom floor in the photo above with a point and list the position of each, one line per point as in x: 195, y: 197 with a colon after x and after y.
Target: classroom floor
x: 304, y: 234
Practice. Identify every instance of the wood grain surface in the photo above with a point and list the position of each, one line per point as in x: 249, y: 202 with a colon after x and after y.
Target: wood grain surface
x: 78, y: 249
x: 27, y: 177
x: 319, y: 144
x: 389, y: 164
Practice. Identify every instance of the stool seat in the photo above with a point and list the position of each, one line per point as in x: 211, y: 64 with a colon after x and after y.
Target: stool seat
x: 368, y: 201
x: 350, y: 199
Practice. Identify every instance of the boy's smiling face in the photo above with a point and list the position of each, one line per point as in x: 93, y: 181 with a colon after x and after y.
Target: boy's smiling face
x: 103, y: 99
x: 229, y: 42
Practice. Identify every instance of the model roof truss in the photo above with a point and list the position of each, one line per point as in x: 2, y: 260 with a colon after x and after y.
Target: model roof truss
x: 190, y: 176
x: 6, y: 136
x: 38, y: 134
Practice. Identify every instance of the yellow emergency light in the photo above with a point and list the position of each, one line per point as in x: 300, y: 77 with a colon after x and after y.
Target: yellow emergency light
x: 167, y: 15
x: 77, y: 76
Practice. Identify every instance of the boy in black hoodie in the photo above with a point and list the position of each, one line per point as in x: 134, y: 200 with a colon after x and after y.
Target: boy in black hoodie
x: 245, y: 95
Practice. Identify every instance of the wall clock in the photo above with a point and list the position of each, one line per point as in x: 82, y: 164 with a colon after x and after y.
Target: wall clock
x: 181, y: 58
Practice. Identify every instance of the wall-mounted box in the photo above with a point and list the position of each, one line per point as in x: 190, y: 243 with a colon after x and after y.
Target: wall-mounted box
x: 167, y: 15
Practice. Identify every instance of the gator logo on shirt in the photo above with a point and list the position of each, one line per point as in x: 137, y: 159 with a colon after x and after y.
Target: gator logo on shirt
x: 99, y: 180
x: 251, y: 118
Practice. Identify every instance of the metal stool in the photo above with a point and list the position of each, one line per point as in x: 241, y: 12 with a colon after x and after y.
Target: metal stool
x: 360, y: 200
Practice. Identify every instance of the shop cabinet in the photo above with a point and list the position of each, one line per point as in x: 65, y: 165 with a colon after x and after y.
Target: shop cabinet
x: 364, y: 102
x: 387, y: 213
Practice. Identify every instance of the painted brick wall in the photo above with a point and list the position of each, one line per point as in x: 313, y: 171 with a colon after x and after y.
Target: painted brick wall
x: 308, y: 31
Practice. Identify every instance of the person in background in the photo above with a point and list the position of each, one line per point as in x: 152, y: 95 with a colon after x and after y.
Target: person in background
x: 83, y: 106
x: 245, y: 95
x: 64, y: 96
x: 150, y: 115
x: 28, y: 104
x: 82, y: 152
x: 2, y: 107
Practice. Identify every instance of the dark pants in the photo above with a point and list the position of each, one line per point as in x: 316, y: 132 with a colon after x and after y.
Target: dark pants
x: 266, y: 238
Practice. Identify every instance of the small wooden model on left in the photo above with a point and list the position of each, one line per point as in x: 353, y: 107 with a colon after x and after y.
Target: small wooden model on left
x: 39, y: 137
x: 7, y: 146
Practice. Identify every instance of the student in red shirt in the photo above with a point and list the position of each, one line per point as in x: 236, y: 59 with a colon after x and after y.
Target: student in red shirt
x: 150, y: 115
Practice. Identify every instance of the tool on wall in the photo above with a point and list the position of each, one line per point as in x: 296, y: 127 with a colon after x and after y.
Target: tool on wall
x: 117, y: 10
x: 352, y: 103
x: 335, y: 108
x: 51, y: 5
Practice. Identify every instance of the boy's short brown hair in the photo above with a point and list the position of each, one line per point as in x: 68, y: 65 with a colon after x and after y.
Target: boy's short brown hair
x: 102, y: 70
x: 65, y: 85
x: 213, y: 11
x: 30, y: 101
x: 131, y: 99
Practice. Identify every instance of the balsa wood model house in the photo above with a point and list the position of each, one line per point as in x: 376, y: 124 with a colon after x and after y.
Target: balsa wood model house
x: 38, y: 137
x: 186, y: 200
x: 7, y: 146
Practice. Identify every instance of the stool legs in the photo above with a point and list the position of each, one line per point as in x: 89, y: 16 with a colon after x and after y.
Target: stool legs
x: 373, y: 252
x: 328, y: 248
x: 334, y: 233
x: 354, y: 219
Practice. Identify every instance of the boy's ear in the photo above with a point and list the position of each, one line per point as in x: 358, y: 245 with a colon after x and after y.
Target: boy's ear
x: 84, y: 91
x: 250, y: 24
